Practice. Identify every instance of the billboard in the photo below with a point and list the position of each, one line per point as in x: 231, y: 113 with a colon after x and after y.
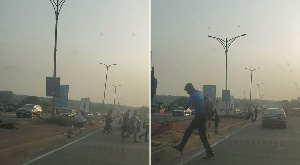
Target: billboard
x: 225, y: 95
x: 210, y: 91
x: 85, y: 104
x: 52, y: 86
x: 62, y: 99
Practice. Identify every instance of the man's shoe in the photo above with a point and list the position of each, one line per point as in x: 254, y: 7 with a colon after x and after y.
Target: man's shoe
x: 177, y: 148
x: 209, y: 156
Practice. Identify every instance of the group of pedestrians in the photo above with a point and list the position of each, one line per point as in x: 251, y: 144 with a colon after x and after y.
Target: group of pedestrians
x: 131, y: 125
x: 251, y: 112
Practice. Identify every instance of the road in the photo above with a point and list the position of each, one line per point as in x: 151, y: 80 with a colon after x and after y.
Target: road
x: 98, y: 148
x: 256, y: 145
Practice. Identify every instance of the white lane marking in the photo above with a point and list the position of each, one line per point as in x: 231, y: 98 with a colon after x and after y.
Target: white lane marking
x: 51, y: 152
x: 199, y: 153
x: 297, y: 130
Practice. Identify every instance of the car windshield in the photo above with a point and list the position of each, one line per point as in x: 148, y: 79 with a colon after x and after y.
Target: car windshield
x: 28, y: 106
x: 274, y: 111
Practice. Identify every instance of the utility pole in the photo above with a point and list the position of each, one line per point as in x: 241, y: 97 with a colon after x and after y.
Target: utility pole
x: 107, y: 66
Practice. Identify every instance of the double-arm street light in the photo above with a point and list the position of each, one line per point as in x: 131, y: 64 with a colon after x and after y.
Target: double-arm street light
x: 107, y: 66
x: 258, y: 89
x: 226, y: 44
x: 251, y: 70
x: 57, y: 7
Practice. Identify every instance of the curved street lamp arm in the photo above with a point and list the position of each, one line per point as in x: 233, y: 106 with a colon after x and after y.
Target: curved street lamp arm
x: 53, y: 4
x: 222, y: 42
x: 61, y: 4
x: 232, y: 39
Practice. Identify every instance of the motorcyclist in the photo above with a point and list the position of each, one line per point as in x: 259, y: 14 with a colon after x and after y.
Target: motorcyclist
x: 108, y: 121
x: 134, y: 124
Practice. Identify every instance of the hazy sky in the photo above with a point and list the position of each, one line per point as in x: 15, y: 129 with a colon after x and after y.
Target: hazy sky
x: 89, y: 32
x: 182, y: 51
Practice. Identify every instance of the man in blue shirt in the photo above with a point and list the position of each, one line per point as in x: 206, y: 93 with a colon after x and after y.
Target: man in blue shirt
x: 197, y: 101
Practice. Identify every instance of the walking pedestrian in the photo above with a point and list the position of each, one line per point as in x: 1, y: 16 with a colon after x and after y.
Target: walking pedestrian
x: 255, y: 113
x: 80, y: 119
x: 125, y: 125
x: 251, y: 113
x: 146, y: 126
x: 196, y: 100
x: 216, y: 117
x: 108, y: 121
x: 134, y: 125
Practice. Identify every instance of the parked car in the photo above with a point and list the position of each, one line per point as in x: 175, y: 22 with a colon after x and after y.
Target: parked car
x: 181, y: 111
x: 29, y: 110
x: 274, y: 116
x: 237, y: 111
x: 68, y: 112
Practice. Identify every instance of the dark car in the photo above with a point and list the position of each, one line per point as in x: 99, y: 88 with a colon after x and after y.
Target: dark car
x: 29, y: 110
x: 68, y: 112
x: 274, y: 116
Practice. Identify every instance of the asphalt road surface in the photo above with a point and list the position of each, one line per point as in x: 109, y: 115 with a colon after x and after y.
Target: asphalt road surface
x: 98, y: 148
x: 256, y: 145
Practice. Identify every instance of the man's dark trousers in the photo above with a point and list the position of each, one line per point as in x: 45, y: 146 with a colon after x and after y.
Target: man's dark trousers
x: 197, y: 123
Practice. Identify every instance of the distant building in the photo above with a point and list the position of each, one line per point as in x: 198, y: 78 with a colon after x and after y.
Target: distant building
x: 210, y: 91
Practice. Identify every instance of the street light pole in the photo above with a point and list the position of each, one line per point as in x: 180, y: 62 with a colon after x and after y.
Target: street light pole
x: 226, y: 44
x: 115, y: 96
x: 107, y: 66
x: 115, y: 92
x: 251, y: 70
x: 57, y: 7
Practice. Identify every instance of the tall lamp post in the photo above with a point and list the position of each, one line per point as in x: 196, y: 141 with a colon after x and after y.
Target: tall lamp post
x: 115, y: 95
x: 226, y: 44
x: 57, y: 7
x: 251, y: 70
x: 115, y: 92
x: 107, y: 66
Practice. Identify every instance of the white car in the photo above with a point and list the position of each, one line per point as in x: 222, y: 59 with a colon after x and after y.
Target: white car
x: 181, y: 111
